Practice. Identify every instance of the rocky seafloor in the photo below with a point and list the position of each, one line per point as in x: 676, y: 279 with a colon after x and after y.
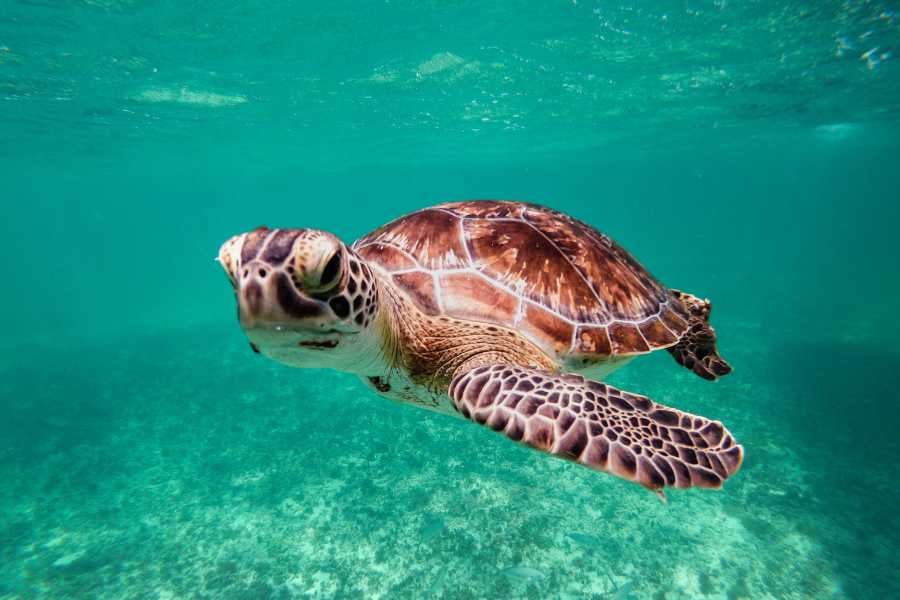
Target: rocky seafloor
x: 182, y: 465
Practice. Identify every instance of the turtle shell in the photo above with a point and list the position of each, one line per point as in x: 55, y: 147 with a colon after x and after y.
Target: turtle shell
x: 558, y: 281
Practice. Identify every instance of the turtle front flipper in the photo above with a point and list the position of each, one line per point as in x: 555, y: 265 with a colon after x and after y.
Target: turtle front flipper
x: 598, y: 426
x: 696, y: 350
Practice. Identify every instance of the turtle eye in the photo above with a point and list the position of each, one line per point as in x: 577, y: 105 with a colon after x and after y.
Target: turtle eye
x: 332, y: 271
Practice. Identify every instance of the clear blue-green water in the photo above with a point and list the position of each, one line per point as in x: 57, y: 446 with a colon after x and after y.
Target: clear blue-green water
x: 744, y: 151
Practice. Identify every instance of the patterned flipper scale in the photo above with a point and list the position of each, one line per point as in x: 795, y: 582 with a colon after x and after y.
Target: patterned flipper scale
x: 598, y: 426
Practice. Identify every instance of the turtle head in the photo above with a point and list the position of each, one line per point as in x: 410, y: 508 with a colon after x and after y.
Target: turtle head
x: 303, y: 296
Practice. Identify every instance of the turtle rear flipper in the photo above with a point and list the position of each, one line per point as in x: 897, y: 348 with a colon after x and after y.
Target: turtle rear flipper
x: 599, y: 426
x: 696, y: 350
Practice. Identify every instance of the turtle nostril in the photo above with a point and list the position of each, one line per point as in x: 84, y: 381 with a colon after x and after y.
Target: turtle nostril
x: 262, y: 272
x: 246, y: 273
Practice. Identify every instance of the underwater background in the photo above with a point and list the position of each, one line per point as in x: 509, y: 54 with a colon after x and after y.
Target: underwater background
x: 748, y: 152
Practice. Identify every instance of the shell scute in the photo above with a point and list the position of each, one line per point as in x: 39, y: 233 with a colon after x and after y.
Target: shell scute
x: 518, y: 256
x: 592, y: 340
x: 626, y: 337
x: 626, y: 289
x: 420, y: 286
x: 656, y: 334
x: 675, y: 320
x: 471, y: 297
x: 430, y: 236
x: 539, y: 323
x: 389, y: 257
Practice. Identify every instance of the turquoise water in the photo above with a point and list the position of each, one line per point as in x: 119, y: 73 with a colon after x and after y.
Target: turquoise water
x: 745, y: 152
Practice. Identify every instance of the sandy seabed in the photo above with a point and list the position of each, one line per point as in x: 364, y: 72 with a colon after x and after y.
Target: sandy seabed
x: 185, y: 466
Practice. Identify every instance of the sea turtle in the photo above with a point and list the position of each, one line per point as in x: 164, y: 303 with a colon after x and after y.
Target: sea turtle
x: 504, y: 313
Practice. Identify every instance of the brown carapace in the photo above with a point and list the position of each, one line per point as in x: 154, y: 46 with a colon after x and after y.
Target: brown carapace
x: 558, y: 281
x: 487, y: 309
